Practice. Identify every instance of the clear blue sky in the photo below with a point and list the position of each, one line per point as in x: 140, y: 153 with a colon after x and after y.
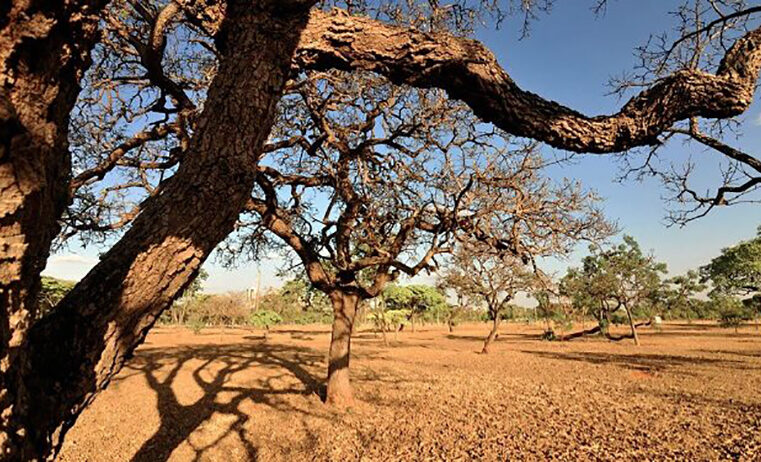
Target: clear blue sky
x: 569, y: 57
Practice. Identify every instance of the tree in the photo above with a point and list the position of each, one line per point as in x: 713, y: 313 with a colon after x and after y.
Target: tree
x: 168, y: 236
x: 732, y: 313
x: 52, y: 291
x: 180, y: 310
x: 416, y: 299
x: 492, y: 276
x: 679, y: 295
x: 374, y: 181
x: 91, y: 332
x: 619, y: 278
x: 737, y: 271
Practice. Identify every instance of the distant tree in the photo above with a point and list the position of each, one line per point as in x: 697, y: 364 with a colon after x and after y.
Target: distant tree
x: 737, y: 271
x: 387, y: 319
x: 609, y: 280
x: 417, y: 299
x: 51, y: 292
x: 679, y: 295
x: 264, y: 319
x: 731, y: 311
x: 179, y: 312
x: 491, y: 276
x: 553, y: 311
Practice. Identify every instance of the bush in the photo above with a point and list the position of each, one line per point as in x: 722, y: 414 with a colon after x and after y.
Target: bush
x: 732, y: 313
x: 264, y: 318
x: 196, y: 325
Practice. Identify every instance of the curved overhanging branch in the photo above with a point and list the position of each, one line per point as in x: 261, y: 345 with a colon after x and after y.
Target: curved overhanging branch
x: 468, y: 71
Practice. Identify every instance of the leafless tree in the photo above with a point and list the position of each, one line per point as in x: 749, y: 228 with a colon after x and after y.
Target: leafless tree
x: 375, y: 180
x: 492, y: 276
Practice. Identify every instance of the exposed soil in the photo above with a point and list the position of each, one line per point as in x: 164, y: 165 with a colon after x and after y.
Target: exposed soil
x: 690, y: 392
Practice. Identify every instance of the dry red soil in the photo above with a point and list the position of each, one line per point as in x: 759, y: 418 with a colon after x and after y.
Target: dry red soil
x: 690, y: 392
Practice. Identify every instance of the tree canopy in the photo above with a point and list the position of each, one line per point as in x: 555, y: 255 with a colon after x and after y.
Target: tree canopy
x: 737, y: 271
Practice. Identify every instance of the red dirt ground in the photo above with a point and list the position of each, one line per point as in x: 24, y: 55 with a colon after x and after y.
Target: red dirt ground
x: 690, y: 392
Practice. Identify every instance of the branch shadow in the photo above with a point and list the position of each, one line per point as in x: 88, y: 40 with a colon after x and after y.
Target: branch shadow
x: 218, y: 363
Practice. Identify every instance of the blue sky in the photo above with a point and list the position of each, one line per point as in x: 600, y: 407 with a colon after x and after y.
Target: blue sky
x: 569, y: 57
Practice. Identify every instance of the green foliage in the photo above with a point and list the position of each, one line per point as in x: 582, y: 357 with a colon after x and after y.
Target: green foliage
x: 737, y: 271
x: 297, y: 302
x: 619, y: 277
x: 196, y: 285
x: 189, y: 303
x: 417, y: 300
x: 196, y: 325
x: 732, y: 312
x: 264, y: 318
x: 52, y: 291
x: 388, y: 319
x: 678, y: 296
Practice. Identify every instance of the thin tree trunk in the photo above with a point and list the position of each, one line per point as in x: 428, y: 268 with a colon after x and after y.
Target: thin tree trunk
x: 73, y: 353
x: 339, y: 392
x: 631, y: 324
x: 44, y: 51
x: 492, y: 334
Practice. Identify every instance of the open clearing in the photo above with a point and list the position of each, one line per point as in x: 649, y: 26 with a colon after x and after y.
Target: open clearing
x: 690, y: 392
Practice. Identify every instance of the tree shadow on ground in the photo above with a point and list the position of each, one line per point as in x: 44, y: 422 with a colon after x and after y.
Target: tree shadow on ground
x: 744, y: 353
x: 218, y: 363
x: 645, y: 362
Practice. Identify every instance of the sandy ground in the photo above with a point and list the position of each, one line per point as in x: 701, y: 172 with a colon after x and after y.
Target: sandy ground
x: 690, y: 392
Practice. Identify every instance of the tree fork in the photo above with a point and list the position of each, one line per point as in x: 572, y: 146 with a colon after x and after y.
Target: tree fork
x: 72, y: 354
x: 44, y: 51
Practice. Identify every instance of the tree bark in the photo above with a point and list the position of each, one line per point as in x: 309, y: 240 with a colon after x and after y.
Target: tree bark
x: 493, y: 333
x: 73, y: 353
x: 339, y: 392
x: 468, y: 71
x: 44, y: 51
x: 584, y: 332
x: 632, y: 326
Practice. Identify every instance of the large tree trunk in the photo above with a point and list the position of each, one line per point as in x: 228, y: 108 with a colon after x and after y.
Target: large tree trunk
x: 493, y: 333
x: 339, y: 391
x: 73, y: 353
x: 44, y: 50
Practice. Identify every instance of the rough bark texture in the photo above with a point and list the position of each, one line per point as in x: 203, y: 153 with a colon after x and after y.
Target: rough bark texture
x: 97, y: 326
x: 582, y: 333
x: 44, y: 51
x: 492, y: 334
x: 469, y: 71
x: 339, y: 391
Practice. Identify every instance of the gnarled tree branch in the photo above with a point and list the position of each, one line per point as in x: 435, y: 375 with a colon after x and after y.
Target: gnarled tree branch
x: 468, y: 71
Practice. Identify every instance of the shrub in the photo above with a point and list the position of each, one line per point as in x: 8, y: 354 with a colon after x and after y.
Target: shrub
x: 732, y: 313
x: 264, y: 318
x: 196, y: 324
